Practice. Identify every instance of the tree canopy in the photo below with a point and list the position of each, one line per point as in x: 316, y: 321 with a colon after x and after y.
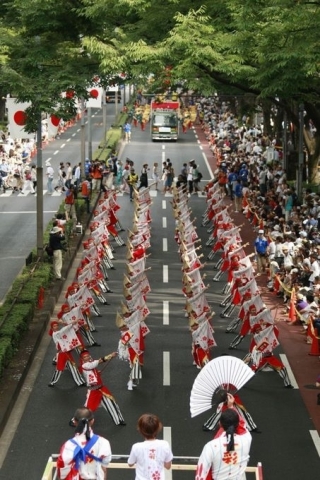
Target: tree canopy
x: 264, y: 49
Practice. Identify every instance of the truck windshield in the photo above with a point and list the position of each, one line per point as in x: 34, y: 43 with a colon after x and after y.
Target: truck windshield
x: 164, y: 120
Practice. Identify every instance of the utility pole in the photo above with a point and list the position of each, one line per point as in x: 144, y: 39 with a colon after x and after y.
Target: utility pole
x: 300, y: 158
x: 104, y: 115
x: 39, y: 189
x: 83, y: 137
x: 89, y: 134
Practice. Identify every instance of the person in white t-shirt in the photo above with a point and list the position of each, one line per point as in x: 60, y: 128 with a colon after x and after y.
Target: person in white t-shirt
x: 152, y: 456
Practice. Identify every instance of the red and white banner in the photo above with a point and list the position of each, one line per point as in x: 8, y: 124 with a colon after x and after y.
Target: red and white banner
x: 17, y: 118
x: 94, y: 97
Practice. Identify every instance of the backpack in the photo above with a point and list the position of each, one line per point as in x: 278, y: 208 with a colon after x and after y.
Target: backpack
x: 71, y: 470
x: 199, y: 175
x: 48, y: 250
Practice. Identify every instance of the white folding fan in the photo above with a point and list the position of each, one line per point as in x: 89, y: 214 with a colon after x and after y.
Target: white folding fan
x: 226, y: 372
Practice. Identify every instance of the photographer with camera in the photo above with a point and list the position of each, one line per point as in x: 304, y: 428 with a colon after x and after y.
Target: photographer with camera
x: 56, y: 243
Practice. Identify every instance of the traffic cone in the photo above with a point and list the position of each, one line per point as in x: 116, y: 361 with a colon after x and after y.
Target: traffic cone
x: 314, y: 350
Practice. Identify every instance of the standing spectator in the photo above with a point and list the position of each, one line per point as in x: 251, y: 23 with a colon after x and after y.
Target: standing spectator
x: 190, y: 177
x: 34, y: 177
x: 69, y: 204
x: 227, y: 455
x: 86, y: 192
x: 155, y: 174
x: 68, y: 177
x: 132, y: 182
x: 87, y: 167
x: 27, y: 180
x: 169, y: 178
x: 195, y: 178
x: 98, y: 394
x: 77, y: 176
x: 127, y: 131
x: 86, y: 455
x: 96, y: 175
x: 119, y: 176
x: 56, y: 240
x: 238, y: 195
x: 61, y: 178
x: 144, y: 177
x: 50, y: 174
x: 260, y: 246
x: 152, y: 455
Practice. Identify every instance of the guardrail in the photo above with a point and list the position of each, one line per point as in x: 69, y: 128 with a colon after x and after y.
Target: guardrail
x: 50, y: 472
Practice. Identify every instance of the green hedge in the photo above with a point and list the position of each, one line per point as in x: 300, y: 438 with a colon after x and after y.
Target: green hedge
x: 17, y: 323
x: 7, y: 352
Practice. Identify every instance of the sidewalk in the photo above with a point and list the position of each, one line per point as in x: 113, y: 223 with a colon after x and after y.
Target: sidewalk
x: 305, y: 368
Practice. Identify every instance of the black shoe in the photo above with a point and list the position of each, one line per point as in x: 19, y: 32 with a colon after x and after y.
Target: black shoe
x: 54, y: 362
x: 289, y: 386
x: 122, y: 424
x: 50, y: 385
x: 206, y: 429
x: 71, y: 423
x: 256, y: 430
x: 95, y: 344
x: 109, y: 291
x: 106, y: 303
x: 82, y: 384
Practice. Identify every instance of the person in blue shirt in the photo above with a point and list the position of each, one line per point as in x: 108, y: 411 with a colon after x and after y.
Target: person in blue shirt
x: 238, y: 195
x: 232, y: 180
x: 260, y: 247
x: 243, y: 173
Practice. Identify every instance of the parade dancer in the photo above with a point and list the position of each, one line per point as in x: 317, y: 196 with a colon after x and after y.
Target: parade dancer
x: 97, y: 393
x: 260, y: 356
x: 65, y: 340
x: 213, y: 422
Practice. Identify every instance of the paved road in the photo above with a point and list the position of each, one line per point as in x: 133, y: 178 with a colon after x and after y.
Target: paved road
x: 18, y: 211
x: 285, y: 447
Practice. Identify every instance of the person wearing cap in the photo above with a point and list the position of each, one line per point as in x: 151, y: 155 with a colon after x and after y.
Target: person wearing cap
x: 260, y: 246
x: 86, y: 455
x: 56, y: 242
x: 98, y: 394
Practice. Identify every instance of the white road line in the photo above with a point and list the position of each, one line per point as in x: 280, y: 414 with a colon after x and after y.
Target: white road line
x: 166, y: 369
x: 164, y: 222
x: 316, y: 440
x: 168, y: 437
x: 55, y: 153
x: 63, y: 145
x: 290, y: 372
x: 74, y: 134
x: 68, y: 139
x: 164, y: 204
x: 165, y: 244
x: 48, y: 159
x: 207, y: 163
x: 78, y: 130
x: 165, y: 312
x: 165, y: 274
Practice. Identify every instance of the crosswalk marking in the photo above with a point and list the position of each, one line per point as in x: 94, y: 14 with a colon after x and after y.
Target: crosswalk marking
x: 9, y: 193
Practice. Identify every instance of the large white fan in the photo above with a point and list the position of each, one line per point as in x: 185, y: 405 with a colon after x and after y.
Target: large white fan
x: 226, y: 372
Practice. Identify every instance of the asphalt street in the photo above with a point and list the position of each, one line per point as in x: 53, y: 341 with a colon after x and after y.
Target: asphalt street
x: 284, y: 447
